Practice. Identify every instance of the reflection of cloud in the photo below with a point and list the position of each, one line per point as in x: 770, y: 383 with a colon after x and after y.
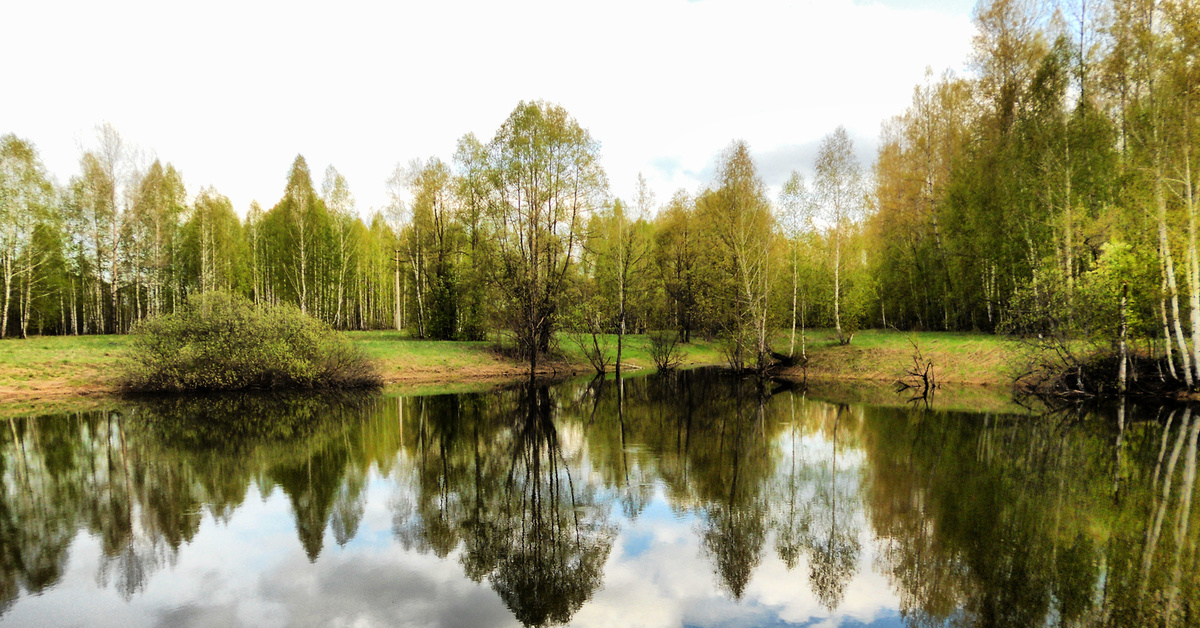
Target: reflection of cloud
x: 200, y: 615
x: 672, y: 584
x: 390, y: 588
x: 868, y: 598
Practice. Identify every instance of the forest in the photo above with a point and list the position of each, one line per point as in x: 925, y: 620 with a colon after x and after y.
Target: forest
x: 1047, y: 192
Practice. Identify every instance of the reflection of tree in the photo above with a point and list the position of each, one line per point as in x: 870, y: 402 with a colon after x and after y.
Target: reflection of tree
x: 734, y: 526
x: 312, y: 485
x: 792, y: 505
x: 979, y: 519
x: 301, y: 435
x: 1001, y: 520
x: 835, y: 547
x: 348, y: 508
x: 705, y: 437
x: 556, y: 533
x: 492, y: 474
x: 139, y: 480
x: 816, y: 508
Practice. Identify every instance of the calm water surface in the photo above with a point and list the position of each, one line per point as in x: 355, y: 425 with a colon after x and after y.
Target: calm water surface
x: 692, y: 500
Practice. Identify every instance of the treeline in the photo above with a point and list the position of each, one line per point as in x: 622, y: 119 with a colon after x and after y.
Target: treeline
x: 519, y: 234
x: 1024, y: 198
x: 1056, y: 183
x: 119, y: 243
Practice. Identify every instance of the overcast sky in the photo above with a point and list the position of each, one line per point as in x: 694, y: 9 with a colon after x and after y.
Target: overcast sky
x: 231, y: 91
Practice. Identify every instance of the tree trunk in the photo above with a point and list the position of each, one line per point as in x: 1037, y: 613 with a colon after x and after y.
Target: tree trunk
x: 1124, y: 347
x: 795, y: 290
x: 837, y: 285
x: 8, y: 279
x: 398, y: 313
x: 1162, y: 307
x: 74, y: 311
x: 25, y: 301
x: 1172, y: 288
x: 1193, y: 262
x: 803, y: 325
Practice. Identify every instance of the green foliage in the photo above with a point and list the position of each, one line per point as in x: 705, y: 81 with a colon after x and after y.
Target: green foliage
x: 224, y: 342
x: 545, y: 178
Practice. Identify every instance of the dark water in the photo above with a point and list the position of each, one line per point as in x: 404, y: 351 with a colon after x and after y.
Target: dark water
x: 696, y: 500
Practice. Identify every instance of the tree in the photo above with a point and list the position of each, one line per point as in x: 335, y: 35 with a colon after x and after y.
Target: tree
x: 26, y: 199
x: 545, y: 179
x: 397, y: 217
x: 839, y: 193
x: 302, y: 215
x: 622, y: 246
x: 796, y: 218
x: 113, y: 159
x: 335, y: 191
x: 471, y: 187
x: 740, y: 215
x: 214, y: 245
x: 159, y: 205
x: 433, y: 249
x: 684, y: 259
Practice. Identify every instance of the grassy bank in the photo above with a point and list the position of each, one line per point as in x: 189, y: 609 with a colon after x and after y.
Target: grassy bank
x: 52, y: 366
x: 885, y: 355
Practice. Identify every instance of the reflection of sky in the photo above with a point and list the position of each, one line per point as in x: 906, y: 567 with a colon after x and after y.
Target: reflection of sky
x: 658, y: 575
x: 253, y: 571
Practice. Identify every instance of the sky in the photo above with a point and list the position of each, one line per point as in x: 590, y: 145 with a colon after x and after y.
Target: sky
x: 231, y: 91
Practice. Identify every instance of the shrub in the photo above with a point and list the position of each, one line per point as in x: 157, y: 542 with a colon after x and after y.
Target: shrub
x: 665, y: 350
x: 224, y: 342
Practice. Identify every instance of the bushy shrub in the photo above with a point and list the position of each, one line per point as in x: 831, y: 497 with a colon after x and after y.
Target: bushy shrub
x: 225, y: 342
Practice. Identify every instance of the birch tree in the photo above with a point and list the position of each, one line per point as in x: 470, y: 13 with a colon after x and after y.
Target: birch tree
x: 339, y: 202
x: 839, y: 194
x: 26, y: 198
x: 796, y: 218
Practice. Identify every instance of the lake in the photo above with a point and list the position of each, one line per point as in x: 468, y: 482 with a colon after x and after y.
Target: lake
x: 694, y: 499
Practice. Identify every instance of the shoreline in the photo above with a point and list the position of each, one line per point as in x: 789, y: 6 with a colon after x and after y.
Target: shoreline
x: 58, y: 368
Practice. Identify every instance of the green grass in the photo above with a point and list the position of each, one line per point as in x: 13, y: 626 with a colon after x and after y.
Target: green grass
x: 396, y: 349
x: 47, y: 362
x: 636, y: 351
x: 884, y: 355
x: 77, y: 364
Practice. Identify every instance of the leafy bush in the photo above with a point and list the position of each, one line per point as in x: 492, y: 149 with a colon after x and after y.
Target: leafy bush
x: 224, y: 342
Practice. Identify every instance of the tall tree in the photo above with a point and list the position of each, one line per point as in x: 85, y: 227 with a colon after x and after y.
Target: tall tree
x: 839, y: 192
x: 26, y: 200
x: 302, y: 214
x: 796, y: 218
x: 740, y: 215
x: 335, y: 191
x: 546, y: 178
x: 157, y: 209
x: 624, y: 246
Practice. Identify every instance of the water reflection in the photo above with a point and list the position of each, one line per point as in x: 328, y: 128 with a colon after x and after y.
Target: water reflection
x: 492, y: 474
x: 538, y: 494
